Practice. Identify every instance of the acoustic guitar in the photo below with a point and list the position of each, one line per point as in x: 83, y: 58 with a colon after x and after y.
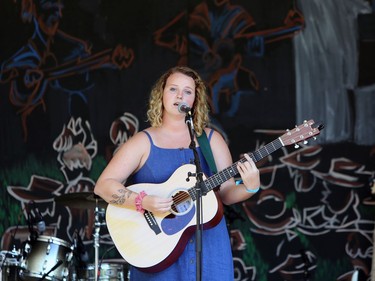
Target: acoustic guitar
x: 152, y: 242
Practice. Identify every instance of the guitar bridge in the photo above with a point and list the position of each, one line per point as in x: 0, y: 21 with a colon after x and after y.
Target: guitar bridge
x: 151, y: 221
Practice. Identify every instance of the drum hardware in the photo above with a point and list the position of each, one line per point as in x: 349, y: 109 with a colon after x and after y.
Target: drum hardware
x: 10, y: 265
x: 49, y: 258
x: 97, y: 238
x: 99, y: 270
x: 46, y: 258
x: 108, y: 272
x: 10, y: 260
x: 59, y: 262
x: 88, y: 200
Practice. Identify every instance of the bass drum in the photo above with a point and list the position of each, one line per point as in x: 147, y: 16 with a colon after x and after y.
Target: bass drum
x: 108, y: 272
x: 46, y: 258
x: 10, y: 265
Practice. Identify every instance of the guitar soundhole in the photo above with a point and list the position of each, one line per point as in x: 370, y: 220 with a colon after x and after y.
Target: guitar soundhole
x: 182, y: 203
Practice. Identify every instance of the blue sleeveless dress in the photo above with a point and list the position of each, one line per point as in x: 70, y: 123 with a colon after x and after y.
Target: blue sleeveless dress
x: 217, y: 260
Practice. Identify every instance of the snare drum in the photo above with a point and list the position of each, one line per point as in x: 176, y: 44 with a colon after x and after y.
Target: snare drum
x: 108, y: 272
x: 10, y: 265
x: 46, y: 257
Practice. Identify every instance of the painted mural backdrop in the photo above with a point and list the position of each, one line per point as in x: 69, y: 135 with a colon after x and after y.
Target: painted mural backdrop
x: 74, y: 82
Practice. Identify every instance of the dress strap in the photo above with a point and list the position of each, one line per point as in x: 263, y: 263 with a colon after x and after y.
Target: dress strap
x: 210, y: 134
x: 149, y: 137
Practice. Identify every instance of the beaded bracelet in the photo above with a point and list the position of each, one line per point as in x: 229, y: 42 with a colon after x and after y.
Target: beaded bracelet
x: 252, y: 190
x: 138, y: 202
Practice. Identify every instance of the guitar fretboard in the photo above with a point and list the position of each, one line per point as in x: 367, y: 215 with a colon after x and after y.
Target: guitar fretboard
x: 222, y: 176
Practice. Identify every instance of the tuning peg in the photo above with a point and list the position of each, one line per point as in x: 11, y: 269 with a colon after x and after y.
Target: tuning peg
x: 305, y: 142
x: 314, y: 138
x: 296, y: 146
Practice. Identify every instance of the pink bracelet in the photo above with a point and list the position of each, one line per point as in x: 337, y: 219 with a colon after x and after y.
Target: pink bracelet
x: 138, y: 202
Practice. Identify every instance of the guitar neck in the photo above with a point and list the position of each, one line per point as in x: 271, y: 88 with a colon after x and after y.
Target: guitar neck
x: 224, y: 175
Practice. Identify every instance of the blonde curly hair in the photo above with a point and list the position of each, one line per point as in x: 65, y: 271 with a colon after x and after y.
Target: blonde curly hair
x: 200, y: 107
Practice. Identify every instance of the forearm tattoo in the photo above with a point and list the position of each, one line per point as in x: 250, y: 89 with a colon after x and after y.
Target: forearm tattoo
x: 121, y: 197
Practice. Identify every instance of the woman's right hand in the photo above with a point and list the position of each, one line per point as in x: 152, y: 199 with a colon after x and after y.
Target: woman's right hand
x: 157, y: 204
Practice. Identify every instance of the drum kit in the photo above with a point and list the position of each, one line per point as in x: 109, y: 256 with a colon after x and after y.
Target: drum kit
x: 45, y: 257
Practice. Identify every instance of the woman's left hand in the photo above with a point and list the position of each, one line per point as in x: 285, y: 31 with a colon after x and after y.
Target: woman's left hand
x: 249, y: 173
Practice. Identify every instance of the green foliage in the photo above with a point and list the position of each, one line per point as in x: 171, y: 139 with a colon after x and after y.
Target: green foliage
x: 304, y: 240
x: 290, y: 200
x: 98, y: 165
x: 330, y: 270
x: 251, y: 256
x: 20, y: 173
x: 367, y: 211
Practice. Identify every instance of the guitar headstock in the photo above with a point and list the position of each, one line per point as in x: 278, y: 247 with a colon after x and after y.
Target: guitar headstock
x: 301, y: 133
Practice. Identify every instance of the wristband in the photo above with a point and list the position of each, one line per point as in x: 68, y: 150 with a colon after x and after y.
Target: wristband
x: 138, y: 202
x: 252, y: 190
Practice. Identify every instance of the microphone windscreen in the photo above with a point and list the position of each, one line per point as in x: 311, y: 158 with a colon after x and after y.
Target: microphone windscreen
x: 41, y: 226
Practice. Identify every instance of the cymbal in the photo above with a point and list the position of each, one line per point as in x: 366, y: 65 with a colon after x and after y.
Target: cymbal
x: 81, y: 200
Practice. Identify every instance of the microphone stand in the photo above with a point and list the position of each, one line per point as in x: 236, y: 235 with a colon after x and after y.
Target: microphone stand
x: 198, y: 192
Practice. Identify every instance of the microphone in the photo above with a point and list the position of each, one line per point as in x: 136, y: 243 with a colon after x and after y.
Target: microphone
x: 38, y: 219
x: 184, y: 108
x: 80, y: 248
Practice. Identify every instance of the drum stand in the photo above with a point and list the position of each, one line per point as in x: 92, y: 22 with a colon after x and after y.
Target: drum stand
x: 96, y: 239
x: 85, y: 200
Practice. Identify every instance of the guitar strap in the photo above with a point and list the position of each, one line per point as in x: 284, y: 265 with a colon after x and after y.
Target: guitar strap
x: 207, y: 152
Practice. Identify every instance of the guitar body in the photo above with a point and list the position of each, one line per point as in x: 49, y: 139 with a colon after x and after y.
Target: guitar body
x: 153, y: 247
